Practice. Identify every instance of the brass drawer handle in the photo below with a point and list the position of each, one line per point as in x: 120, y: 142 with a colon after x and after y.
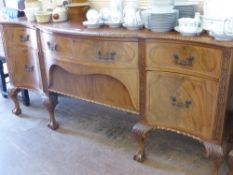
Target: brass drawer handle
x: 52, y: 46
x: 178, y: 104
x: 187, y: 62
x: 109, y: 56
x: 24, y: 38
x: 29, y: 69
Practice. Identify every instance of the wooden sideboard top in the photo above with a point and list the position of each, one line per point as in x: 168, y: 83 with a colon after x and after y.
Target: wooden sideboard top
x: 79, y: 29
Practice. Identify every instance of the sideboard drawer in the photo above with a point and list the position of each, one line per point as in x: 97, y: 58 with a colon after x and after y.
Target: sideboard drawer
x: 17, y: 36
x: 57, y: 45
x: 181, y: 102
x: 183, y: 57
x: 24, y: 67
x: 115, y: 53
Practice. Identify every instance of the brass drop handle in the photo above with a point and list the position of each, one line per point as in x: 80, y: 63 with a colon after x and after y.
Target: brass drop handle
x: 178, y: 104
x: 109, y: 56
x: 52, y: 46
x: 186, y: 62
x: 24, y: 38
x: 29, y: 69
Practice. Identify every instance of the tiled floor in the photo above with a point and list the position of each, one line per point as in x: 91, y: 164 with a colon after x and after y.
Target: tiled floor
x: 91, y: 140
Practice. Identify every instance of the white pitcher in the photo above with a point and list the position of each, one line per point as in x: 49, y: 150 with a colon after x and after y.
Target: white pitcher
x: 117, y: 5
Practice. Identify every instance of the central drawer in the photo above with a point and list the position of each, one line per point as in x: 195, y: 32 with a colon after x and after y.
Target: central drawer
x: 183, y: 58
x: 115, y: 53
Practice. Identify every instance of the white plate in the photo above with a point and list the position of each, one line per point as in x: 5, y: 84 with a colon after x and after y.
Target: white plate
x: 113, y: 24
x: 90, y: 25
x: 198, y: 32
x: 130, y: 27
x: 220, y: 37
x: 167, y: 12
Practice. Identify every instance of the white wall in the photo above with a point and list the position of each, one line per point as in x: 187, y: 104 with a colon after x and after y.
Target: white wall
x: 143, y: 3
x: 96, y: 3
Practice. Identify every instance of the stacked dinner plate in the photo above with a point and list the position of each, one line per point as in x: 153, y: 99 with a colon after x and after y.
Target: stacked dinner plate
x: 161, y: 6
x: 187, y: 9
x: 161, y: 22
x: 160, y: 2
x: 160, y: 16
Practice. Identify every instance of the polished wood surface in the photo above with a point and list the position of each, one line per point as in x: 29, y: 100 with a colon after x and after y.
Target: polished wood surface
x: 184, y: 58
x: 181, y: 102
x: 97, y: 52
x: 20, y: 36
x: 115, y: 88
x: 178, y: 84
x: 27, y: 69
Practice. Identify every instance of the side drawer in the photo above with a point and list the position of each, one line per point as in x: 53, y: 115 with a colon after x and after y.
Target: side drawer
x: 183, y: 57
x: 23, y: 67
x: 111, y: 53
x: 18, y: 36
x: 181, y: 102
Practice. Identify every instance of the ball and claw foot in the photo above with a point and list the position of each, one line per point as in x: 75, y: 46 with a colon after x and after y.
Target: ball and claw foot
x: 140, y: 132
x: 53, y: 126
x: 16, y: 111
x: 139, y: 156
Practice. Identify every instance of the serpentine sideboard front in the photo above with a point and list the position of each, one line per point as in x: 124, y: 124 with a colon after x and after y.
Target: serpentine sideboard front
x: 175, y: 83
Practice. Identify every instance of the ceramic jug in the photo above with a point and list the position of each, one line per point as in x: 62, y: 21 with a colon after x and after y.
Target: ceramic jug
x: 59, y: 14
x: 117, y: 5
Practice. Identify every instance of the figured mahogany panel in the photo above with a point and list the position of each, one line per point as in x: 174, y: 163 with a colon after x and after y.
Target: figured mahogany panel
x: 20, y: 37
x: 24, y: 68
x: 100, y: 88
x: 57, y: 45
x: 114, y: 53
x: 183, y: 58
x: 182, y: 103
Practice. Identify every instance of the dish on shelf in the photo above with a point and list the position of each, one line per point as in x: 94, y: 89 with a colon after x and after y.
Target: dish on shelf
x: 159, y: 22
x: 91, y: 25
x: 43, y: 16
x: 221, y: 37
x: 133, y: 27
x: 198, y: 32
x: 113, y: 24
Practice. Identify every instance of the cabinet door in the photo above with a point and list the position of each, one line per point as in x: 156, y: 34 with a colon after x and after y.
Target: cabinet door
x: 24, y: 68
x: 181, y: 102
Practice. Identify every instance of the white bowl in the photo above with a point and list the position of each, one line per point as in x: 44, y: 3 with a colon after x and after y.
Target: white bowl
x: 188, y: 25
x: 93, y: 15
x: 30, y: 13
x: 43, y: 16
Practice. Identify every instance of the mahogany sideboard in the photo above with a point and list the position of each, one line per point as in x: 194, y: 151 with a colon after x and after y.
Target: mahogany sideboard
x: 174, y: 83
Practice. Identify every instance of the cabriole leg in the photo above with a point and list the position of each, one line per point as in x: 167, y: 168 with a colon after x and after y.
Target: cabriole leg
x: 140, y: 132
x: 50, y: 102
x: 216, y: 154
x: 230, y: 162
x: 13, y: 93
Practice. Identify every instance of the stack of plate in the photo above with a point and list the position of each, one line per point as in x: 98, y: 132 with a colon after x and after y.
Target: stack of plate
x: 161, y: 6
x: 161, y: 2
x: 160, y: 22
x: 186, y: 10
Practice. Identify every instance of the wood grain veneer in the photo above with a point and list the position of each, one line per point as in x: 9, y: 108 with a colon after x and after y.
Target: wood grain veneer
x: 175, y: 83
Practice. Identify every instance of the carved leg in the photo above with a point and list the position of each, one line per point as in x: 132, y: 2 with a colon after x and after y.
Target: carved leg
x: 25, y: 97
x: 230, y: 162
x: 140, y: 132
x: 50, y: 103
x: 13, y: 93
x: 216, y: 154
